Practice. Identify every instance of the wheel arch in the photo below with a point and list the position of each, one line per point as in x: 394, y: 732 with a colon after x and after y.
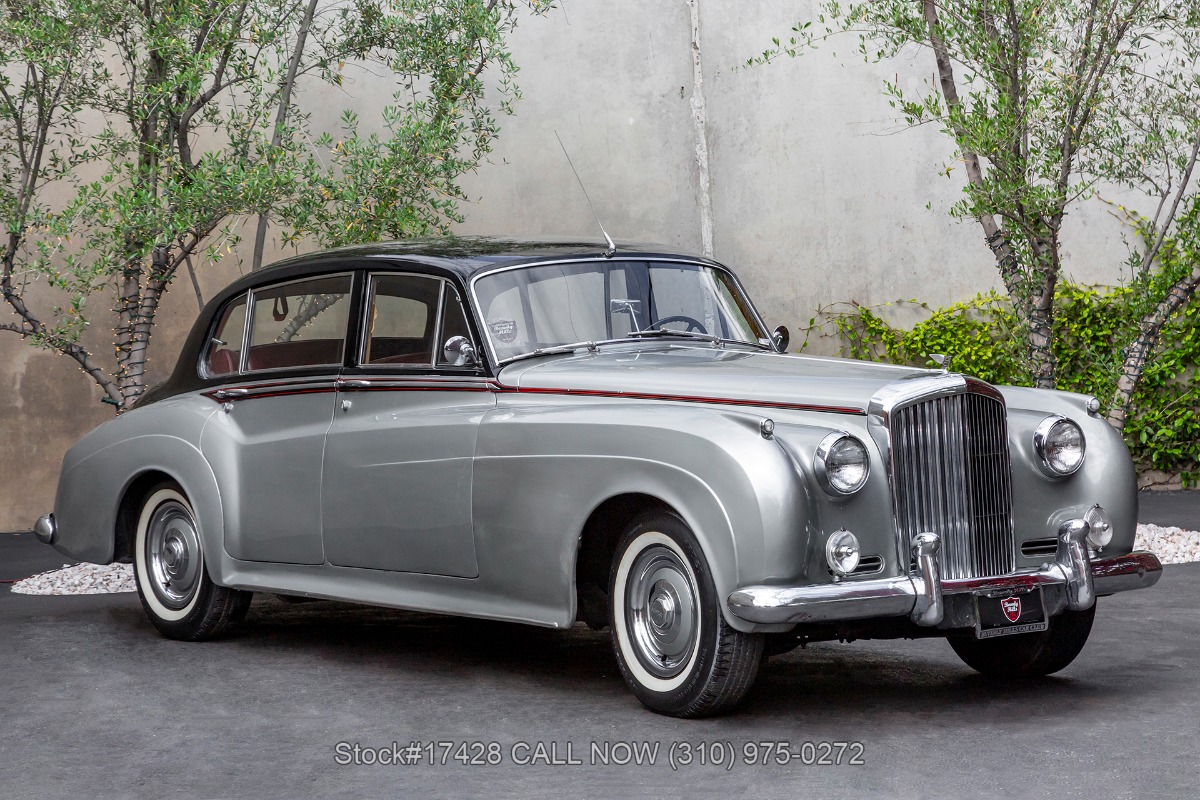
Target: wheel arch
x: 598, y: 544
x: 199, y: 488
x: 99, y: 497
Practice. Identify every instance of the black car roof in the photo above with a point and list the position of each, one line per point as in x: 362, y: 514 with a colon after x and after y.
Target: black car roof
x: 464, y: 256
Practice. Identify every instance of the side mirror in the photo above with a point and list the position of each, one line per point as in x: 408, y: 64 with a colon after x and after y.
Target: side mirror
x: 781, y: 338
x: 459, y: 352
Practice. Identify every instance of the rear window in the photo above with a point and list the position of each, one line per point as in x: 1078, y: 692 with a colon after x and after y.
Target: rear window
x: 299, y: 324
x: 296, y: 324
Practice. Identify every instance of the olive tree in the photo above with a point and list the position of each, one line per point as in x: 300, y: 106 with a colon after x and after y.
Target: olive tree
x: 1047, y: 103
x: 138, y: 138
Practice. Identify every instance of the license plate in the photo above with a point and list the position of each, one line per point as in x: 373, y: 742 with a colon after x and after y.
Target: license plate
x: 1007, y: 613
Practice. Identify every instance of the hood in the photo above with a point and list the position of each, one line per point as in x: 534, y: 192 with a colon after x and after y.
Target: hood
x: 709, y: 374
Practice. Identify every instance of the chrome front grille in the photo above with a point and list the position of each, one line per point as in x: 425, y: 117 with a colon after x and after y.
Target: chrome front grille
x: 951, y: 476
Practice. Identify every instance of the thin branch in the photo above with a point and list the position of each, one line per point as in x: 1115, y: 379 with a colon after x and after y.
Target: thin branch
x: 1165, y: 225
x: 195, y: 283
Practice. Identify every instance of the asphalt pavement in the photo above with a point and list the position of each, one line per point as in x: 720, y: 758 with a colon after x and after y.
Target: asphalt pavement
x: 95, y: 703
x: 1181, y: 508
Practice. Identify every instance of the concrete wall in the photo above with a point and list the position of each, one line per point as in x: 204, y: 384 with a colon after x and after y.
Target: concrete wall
x: 816, y: 193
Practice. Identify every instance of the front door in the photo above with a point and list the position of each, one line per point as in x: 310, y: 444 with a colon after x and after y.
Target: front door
x: 399, y: 456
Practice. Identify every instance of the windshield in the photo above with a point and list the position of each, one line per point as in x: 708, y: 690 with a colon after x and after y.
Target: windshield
x: 538, y: 307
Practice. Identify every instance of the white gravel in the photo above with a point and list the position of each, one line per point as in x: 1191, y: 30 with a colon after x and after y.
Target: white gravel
x: 1171, y: 545
x: 80, y: 579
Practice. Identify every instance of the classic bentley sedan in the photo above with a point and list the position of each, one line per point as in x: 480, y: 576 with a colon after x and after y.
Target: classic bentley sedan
x: 556, y: 432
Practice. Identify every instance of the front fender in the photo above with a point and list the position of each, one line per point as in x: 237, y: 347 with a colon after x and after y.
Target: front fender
x: 1107, y: 476
x: 542, y: 468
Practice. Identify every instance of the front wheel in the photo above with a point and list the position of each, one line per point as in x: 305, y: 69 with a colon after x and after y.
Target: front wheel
x: 673, y: 646
x: 172, y: 582
x: 1028, y: 655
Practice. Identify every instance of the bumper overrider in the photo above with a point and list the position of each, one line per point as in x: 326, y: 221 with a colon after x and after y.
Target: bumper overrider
x: 1072, y: 582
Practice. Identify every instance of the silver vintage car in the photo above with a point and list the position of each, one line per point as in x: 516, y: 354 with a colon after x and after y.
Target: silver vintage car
x: 556, y: 432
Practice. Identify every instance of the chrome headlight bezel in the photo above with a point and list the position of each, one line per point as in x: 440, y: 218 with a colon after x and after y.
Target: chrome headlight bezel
x: 830, y: 448
x: 1044, y: 440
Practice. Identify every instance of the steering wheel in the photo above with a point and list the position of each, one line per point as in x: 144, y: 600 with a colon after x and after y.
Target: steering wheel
x: 693, y: 324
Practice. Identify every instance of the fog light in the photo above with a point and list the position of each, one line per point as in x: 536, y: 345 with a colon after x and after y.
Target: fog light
x: 1100, y: 522
x: 841, y: 551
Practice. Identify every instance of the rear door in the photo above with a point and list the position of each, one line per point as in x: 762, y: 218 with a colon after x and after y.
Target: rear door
x: 282, y: 361
x: 399, y: 456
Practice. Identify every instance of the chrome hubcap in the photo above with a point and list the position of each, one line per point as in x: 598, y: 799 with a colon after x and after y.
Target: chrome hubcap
x: 173, y: 555
x: 661, y: 611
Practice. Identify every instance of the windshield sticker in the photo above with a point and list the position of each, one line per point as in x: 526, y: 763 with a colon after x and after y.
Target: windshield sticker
x: 505, y: 330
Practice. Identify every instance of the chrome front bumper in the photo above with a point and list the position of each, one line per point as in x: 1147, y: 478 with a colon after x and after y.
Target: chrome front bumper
x: 1074, y: 581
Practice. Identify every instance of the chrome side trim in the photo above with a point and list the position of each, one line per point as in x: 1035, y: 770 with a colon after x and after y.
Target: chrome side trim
x: 417, y: 383
x: 272, y: 389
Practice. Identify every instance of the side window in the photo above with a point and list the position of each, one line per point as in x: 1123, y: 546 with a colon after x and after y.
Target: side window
x: 299, y: 324
x: 454, y: 323
x: 225, y: 348
x: 400, y: 320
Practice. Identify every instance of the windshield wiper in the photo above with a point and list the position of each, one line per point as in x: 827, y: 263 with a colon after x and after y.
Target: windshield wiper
x: 717, y: 341
x: 648, y: 333
x: 562, y: 348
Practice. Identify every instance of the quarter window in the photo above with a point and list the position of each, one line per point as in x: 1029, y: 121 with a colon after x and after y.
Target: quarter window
x: 225, y: 348
x: 454, y: 323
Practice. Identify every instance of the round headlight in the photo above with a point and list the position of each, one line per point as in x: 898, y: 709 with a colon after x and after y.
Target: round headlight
x: 841, y: 551
x: 1060, y: 446
x: 1100, y: 526
x: 842, y: 464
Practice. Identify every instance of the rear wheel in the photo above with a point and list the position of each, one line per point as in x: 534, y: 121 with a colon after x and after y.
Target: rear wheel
x: 1027, y: 655
x: 673, y: 646
x: 173, y: 584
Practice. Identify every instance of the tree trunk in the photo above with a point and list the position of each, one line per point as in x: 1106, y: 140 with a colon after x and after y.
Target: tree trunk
x: 997, y: 238
x: 133, y: 365
x: 128, y: 299
x: 1041, y: 311
x: 1144, y: 344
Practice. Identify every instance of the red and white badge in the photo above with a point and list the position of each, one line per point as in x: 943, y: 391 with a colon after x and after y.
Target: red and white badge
x: 1011, y: 606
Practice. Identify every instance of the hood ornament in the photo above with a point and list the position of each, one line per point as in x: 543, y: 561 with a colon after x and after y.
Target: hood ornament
x: 942, y: 361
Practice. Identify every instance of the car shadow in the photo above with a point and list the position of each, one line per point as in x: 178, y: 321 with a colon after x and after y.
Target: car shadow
x: 822, y: 681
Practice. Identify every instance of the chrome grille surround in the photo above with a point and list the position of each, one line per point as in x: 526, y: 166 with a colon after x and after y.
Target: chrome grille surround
x: 945, y: 441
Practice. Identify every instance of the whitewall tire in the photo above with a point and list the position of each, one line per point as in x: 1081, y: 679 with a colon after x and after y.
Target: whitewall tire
x: 673, y: 646
x: 172, y: 581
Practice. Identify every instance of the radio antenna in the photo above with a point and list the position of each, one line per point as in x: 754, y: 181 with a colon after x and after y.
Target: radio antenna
x: 612, y: 247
